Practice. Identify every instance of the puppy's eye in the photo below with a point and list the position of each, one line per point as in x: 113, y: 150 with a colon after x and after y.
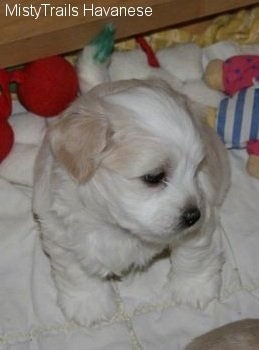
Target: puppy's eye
x: 154, y: 179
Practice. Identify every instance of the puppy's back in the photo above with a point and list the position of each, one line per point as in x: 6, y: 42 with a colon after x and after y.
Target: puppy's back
x: 240, y: 335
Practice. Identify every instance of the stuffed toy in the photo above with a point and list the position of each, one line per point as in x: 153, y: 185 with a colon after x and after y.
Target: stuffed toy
x: 237, y: 119
x: 45, y: 87
x: 6, y: 132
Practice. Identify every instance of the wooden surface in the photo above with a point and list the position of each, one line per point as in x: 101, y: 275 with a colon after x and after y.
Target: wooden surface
x: 24, y: 39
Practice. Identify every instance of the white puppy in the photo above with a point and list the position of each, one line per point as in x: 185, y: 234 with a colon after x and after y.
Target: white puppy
x: 129, y: 170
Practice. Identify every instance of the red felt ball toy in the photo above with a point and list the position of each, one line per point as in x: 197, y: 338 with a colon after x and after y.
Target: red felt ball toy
x: 5, y: 96
x: 6, y: 139
x: 47, y: 86
x: 6, y: 132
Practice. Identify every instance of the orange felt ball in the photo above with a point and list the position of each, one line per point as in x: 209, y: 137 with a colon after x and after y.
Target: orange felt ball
x: 47, y: 86
x: 6, y: 139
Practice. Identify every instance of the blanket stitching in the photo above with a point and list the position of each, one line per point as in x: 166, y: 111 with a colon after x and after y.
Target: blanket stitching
x: 16, y: 337
x: 225, y: 236
x: 136, y: 345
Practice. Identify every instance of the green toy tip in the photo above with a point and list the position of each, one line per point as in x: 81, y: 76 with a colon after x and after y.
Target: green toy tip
x: 104, y: 43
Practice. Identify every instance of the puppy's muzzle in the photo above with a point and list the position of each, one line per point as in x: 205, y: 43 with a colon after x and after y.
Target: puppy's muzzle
x: 190, y: 216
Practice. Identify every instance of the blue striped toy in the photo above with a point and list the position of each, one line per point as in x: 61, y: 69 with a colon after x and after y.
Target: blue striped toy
x: 237, y: 120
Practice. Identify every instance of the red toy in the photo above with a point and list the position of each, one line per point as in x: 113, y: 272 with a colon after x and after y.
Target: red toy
x: 45, y: 87
x: 6, y: 132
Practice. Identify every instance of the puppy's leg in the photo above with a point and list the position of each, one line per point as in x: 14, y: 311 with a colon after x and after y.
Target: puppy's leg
x: 195, y: 278
x: 83, y: 298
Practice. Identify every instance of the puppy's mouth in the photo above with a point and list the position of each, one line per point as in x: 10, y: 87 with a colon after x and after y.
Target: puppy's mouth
x: 171, y: 235
x: 189, y: 224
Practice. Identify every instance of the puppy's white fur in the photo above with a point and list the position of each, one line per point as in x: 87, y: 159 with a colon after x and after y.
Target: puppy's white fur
x: 99, y: 217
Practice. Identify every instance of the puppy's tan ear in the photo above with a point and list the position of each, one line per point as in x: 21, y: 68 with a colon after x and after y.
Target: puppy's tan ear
x: 76, y: 141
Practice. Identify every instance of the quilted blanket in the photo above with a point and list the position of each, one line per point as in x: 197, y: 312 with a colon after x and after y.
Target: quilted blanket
x: 146, y: 320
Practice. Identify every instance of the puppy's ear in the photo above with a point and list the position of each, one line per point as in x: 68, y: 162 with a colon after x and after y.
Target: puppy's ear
x: 76, y: 142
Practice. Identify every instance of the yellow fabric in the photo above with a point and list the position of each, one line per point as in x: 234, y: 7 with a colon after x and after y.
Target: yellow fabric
x: 211, y: 116
x: 242, y: 27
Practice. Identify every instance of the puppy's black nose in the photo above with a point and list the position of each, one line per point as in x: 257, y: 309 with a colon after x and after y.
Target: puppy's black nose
x: 190, y: 216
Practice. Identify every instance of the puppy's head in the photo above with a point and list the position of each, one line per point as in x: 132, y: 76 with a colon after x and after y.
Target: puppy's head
x: 138, y: 157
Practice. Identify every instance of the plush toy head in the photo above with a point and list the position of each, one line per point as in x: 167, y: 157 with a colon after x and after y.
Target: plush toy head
x: 236, y: 73
x: 213, y: 75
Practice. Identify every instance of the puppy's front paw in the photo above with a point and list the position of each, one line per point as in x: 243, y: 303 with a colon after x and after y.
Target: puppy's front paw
x: 88, y: 309
x: 194, y: 292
